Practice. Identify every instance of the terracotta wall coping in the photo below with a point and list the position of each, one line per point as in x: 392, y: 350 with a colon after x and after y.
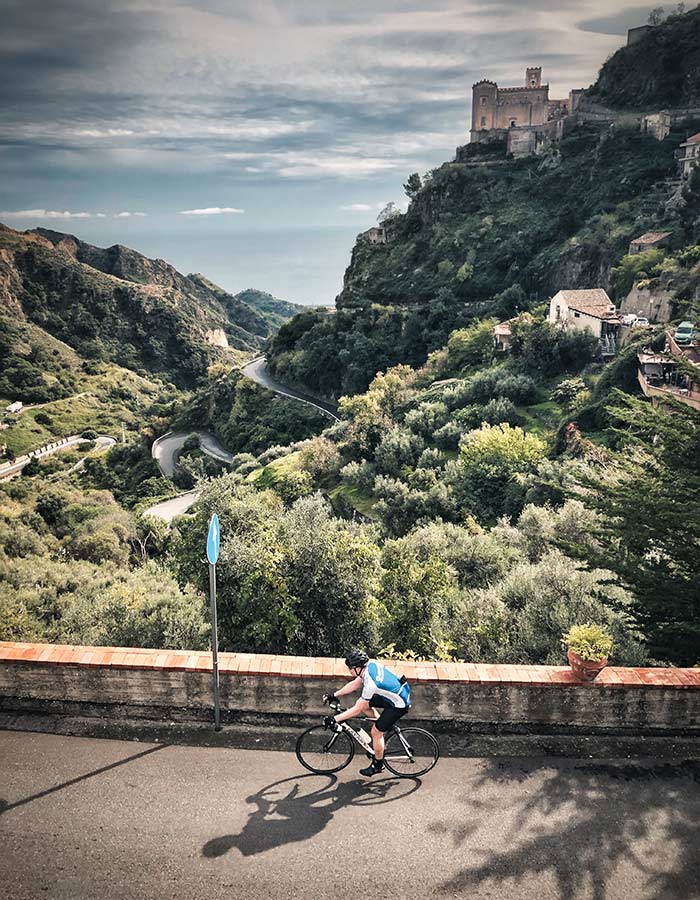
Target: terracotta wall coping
x: 321, y: 667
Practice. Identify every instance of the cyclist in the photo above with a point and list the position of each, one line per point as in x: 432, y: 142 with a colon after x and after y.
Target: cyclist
x: 381, y: 689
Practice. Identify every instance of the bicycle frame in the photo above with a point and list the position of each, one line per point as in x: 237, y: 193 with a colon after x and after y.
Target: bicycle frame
x: 348, y: 729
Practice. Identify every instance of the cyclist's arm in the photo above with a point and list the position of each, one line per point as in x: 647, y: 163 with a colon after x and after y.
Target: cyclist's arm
x: 351, y: 686
x: 359, y: 709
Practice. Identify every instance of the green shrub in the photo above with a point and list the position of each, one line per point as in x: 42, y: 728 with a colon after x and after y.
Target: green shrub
x: 591, y: 642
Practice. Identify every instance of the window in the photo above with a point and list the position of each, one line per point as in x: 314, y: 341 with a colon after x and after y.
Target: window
x: 483, y: 101
x: 577, y: 315
x: 512, y: 123
x: 483, y: 121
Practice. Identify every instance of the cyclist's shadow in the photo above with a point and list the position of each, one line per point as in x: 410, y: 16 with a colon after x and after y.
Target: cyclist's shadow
x: 296, y: 809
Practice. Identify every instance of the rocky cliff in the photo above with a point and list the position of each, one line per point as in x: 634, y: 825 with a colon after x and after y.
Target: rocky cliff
x: 660, y: 71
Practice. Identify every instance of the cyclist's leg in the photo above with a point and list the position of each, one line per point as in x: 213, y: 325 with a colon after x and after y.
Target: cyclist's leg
x: 386, y: 721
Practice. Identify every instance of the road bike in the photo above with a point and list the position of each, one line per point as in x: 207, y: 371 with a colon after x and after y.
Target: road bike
x: 408, y: 752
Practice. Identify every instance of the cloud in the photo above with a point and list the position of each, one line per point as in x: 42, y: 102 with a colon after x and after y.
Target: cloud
x: 44, y: 214
x: 107, y: 132
x: 127, y: 215
x: 310, y: 165
x: 212, y: 211
x: 357, y: 207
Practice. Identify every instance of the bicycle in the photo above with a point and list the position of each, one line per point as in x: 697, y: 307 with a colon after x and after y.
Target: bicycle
x: 408, y: 752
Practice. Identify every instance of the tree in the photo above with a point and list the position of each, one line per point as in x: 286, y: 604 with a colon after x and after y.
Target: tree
x: 490, y: 472
x: 389, y: 211
x: 413, y: 186
x: 656, y: 16
x: 650, y: 519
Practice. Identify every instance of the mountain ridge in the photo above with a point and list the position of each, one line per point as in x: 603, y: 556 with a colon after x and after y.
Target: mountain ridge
x: 115, y: 303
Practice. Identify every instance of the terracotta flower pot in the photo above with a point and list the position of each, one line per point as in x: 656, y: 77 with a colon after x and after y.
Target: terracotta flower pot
x: 585, y: 669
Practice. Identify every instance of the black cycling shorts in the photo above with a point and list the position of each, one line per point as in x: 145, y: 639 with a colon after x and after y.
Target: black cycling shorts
x: 390, y: 715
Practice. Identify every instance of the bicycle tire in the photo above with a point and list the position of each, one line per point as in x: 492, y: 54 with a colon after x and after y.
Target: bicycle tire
x: 310, y: 743
x: 429, y: 749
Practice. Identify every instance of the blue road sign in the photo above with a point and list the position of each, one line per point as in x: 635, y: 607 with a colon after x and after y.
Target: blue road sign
x: 213, y: 540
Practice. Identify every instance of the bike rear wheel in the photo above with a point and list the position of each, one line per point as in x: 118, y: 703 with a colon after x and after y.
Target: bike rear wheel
x: 422, y: 754
x: 323, y: 751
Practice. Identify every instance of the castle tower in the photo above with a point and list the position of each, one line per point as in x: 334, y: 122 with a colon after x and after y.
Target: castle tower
x: 533, y: 77
x: 484, y: 101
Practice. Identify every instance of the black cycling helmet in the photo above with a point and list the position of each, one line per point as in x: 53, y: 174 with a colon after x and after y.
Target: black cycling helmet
x: 356, y: 659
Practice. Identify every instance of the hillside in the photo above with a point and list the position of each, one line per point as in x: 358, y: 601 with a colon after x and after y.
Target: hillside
x: 116, y: 304
x: 492, y: 237
x: 489, y: 235
x: 669, y: 58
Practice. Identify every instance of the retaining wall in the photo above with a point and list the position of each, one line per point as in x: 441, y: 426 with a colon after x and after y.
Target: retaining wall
x: 177, y: 685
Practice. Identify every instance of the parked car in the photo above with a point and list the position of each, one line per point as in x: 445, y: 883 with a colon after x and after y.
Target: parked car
x: 684, y: 333
x: 629, y: 319
x: 642, y: 322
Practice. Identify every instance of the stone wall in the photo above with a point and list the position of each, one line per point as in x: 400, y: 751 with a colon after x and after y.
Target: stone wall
x: 151, y: 684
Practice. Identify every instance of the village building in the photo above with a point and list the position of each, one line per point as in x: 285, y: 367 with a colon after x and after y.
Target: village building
x: 376, y: 234
x: 14, y: 407
x: 657, y: 124
x: 588, y: 310
x: 688, y: 155
x: 634, y: 35
x: 659, y: 376
x: 649, y: 241
x: 503, y: 336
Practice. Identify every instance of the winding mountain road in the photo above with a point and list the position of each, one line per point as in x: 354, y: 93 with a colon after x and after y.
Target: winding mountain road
x: 257, y: 372
x: 165, y: 449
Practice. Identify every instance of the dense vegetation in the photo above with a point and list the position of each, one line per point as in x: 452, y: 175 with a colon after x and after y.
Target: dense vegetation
x: 245, y: 416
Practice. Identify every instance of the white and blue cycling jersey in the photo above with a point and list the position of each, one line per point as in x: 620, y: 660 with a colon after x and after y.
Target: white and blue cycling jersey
x: 378, y: 681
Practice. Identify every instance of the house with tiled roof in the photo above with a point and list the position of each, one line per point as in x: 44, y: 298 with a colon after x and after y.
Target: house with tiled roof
x: 689, y: 155
x: 649, y: 241
x: 587, y: 310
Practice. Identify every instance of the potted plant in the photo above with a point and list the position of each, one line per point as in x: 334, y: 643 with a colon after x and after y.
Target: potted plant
x: 588, y: 649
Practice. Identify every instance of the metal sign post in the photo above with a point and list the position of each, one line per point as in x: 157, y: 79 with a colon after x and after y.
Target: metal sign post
x: 213, y: 541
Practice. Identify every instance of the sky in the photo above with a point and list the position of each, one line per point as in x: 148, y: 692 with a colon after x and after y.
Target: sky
x: 252, y: 141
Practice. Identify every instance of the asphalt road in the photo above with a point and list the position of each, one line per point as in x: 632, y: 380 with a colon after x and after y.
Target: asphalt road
x: 102, y: 443
x: 257, y: 371
x: 166, y: 448
x: 84, y: 818
x: 167, y: 510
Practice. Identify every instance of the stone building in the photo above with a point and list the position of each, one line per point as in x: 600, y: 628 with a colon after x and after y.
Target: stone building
x: 376, y: 234
x: 497, y: 110
x: 649, y: 241
x: 634, y: 35
x: 689, y: 155
x: 657, y: 124
x: 587, y: 310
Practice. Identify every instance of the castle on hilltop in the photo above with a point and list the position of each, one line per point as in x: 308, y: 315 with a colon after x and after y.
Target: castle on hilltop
x: 524, y: 116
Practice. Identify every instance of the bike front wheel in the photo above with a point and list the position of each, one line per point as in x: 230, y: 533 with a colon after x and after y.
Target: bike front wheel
x: 322, y: 751
x: 410, y: 753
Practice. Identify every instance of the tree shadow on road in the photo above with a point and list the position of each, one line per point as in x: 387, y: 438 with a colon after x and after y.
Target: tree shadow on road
x: 576, y: 825
x: 296, y: 809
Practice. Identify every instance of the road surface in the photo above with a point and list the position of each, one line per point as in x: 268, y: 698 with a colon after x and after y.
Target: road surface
x: 167, y: 510
x: 83, y: 818
x: 257, y: 371
x: 166, y: 448
x: 103, y: 442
